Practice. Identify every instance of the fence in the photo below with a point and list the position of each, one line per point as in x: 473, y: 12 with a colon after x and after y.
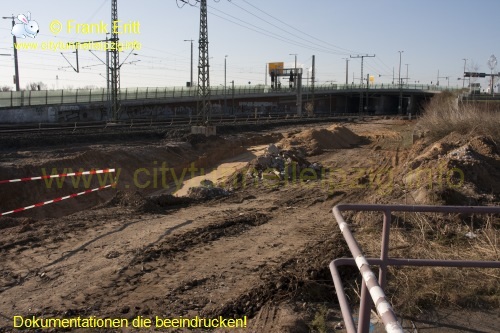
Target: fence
x: 79, y: 96
x: 370, y: 286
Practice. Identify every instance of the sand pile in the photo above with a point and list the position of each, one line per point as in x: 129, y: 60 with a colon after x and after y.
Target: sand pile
x: 316, y: 141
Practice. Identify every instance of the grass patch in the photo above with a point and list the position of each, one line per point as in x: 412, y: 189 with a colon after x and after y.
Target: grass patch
x: 415, y: 290
x: 445, y: 114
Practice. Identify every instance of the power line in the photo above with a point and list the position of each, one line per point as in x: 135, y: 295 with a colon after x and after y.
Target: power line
x: 310, y: 36
x: 288, y: 32
x: 269, y: 34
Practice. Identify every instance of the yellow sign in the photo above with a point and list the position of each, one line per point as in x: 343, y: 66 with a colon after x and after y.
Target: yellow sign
x: 372, y: 78
x: 276, y: 67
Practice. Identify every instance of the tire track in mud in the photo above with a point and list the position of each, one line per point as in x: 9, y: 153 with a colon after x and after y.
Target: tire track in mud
x: 179, y: 244
x: 232, y: 226
x: 302, y: 277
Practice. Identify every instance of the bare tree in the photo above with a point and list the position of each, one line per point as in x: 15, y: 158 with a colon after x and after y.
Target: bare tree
x: 36, y: 86
x: 90, y: 86
x: 6, y: 88
x: 472, y: 66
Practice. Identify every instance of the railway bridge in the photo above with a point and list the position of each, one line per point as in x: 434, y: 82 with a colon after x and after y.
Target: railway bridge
x: 158, y: 103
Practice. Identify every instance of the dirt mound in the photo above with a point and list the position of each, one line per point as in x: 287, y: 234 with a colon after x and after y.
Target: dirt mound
x: 126, y: 199
x: 140, y: 203
x: 318, y: 140
x: 456, y: 169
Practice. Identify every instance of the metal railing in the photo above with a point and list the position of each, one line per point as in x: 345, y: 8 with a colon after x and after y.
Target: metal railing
x: 373, y: 287
x: 83, y: 96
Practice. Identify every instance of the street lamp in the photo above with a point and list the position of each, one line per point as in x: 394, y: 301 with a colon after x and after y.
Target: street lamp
x: 16, y: 66
x: 191, y: 80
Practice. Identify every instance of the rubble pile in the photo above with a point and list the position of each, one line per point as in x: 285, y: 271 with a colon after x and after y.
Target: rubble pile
x: 283, y: 164
x: 206, y: 191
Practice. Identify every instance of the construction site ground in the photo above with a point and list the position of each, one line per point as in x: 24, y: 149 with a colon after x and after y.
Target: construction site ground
x: 261, y: 249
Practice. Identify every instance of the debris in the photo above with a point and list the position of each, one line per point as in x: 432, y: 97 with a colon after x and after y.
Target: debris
x: 470, y: 235
x: 206, y: 193
x: 207, y: 183
x: 281, y: 164
x: 272, y: 149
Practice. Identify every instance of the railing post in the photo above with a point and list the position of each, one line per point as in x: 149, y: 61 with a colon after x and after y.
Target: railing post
x: 62, y: 96
x: 156, y: 93
x: 147, y: 89
x: 364, y: 310
x: 46, y: 97
x: 384, y: 249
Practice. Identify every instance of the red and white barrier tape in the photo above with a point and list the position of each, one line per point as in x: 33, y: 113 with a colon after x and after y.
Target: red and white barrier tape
x: 57, y: 199
x: 80, y: 173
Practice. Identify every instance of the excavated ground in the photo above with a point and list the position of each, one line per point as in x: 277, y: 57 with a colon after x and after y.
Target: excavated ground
x: 261, y: 250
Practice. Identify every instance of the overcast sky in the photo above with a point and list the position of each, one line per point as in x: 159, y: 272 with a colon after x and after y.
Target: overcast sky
x: 434, y: 35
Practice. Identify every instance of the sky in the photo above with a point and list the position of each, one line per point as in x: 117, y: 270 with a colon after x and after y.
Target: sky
x: 434, y: 35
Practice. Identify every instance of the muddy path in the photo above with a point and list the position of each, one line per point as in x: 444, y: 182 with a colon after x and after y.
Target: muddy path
x: 261, y: 252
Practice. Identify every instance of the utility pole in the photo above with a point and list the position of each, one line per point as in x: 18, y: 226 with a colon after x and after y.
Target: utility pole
x: 232, y: 92
x: 191, y: 80
x: 204, y: 107
x: 407, y: 73
x: 265, y: 75
x: 225, y: 98
x: 361, y: 95
x: 14, y: 41
x: 295, y: 72
x: 346, y: 70
x: 115, y: 65
x: 463, y: 81
x: 400, y: 105
x: 107, y: 80
x: 312, y: 81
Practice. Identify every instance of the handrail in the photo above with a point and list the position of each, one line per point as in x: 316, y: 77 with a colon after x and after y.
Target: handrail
x: 369, y: 283
x: 72, y: 96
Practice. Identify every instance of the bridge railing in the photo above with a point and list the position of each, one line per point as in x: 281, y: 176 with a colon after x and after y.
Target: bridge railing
x: 83, y: 96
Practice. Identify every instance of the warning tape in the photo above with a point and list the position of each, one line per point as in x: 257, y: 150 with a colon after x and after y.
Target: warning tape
x: 80, y: 173
x: 57, y: 199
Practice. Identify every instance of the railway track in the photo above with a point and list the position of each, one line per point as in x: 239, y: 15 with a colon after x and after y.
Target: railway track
x: 174, y: 122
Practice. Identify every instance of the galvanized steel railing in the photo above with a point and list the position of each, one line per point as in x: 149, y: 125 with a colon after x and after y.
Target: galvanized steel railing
x: 76, y: 96
x: 374, y: 287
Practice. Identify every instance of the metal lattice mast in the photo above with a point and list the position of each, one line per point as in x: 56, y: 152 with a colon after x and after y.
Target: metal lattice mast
x: 203, y: 107
x: 114, y: 66
x: 367, y: 83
